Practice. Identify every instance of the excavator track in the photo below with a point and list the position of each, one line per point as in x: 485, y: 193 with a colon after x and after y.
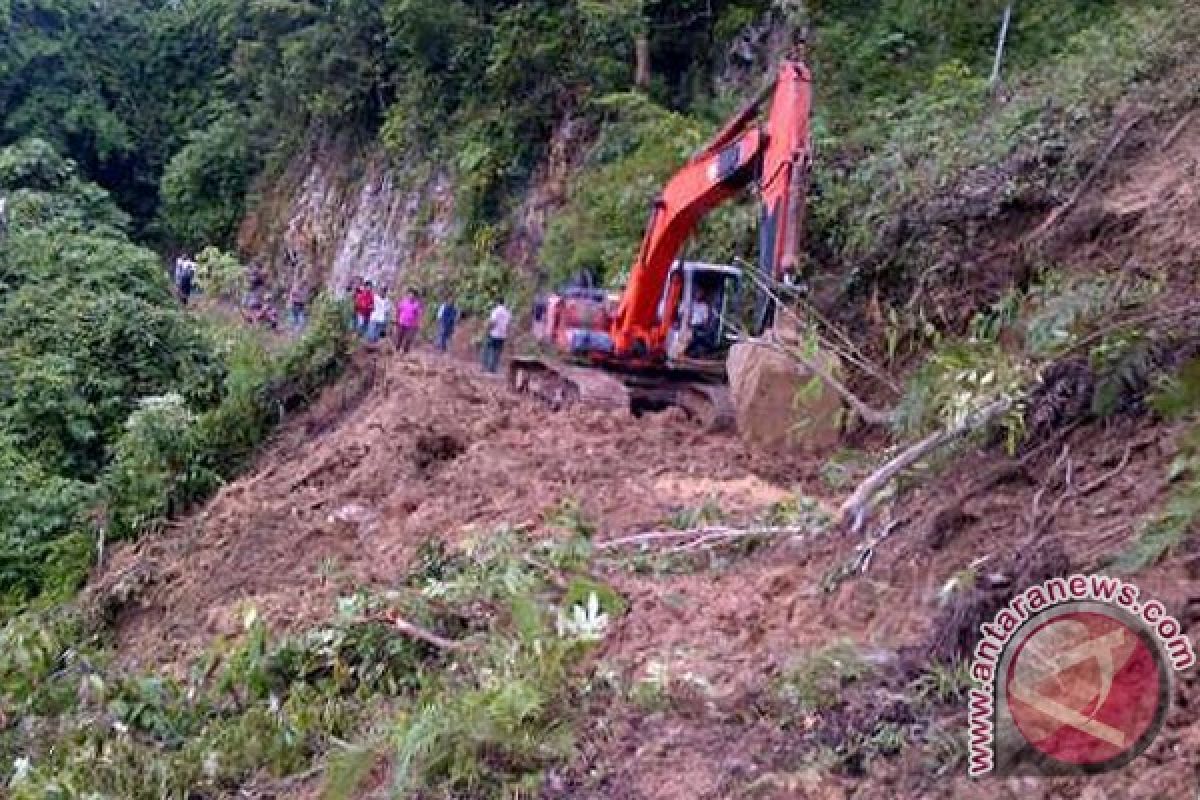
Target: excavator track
x: 558, y: 386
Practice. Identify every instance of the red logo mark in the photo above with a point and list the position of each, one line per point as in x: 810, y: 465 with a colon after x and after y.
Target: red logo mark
x: 1085, y: 689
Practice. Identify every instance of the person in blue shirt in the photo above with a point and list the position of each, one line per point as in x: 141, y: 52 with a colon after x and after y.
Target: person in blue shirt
x: 447, y: 318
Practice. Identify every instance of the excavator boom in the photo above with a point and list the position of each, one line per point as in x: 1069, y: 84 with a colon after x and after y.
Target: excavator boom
x: 776, y: 156
x: 636, y: 345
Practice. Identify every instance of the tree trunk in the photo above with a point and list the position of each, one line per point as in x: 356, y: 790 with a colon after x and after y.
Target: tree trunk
x: 641, y: 48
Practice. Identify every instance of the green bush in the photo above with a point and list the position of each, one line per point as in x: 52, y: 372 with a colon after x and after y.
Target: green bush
x: 220, y: 275
x: 641, y: 145
x: 118, y: 409
x: 204, y: 184
x: 154, y: 472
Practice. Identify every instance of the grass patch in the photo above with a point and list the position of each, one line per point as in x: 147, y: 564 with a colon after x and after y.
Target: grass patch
x: 814, y: 682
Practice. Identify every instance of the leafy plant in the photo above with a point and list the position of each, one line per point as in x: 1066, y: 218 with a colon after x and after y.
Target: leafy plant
x: 815, y: 680
x: 945, y: 683
x: 1179, y: 397
x: 958, y: 380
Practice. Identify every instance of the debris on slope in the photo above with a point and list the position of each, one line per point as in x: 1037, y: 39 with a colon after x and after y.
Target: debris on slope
x: 401, y: 452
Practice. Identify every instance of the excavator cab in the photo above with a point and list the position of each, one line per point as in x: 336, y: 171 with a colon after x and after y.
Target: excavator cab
x: 702, y: 329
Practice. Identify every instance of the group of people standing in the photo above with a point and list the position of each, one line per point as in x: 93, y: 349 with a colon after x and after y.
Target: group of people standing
x: 374, y: 312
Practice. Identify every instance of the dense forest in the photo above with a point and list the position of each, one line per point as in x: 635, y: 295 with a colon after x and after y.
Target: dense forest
x: 131, y: 130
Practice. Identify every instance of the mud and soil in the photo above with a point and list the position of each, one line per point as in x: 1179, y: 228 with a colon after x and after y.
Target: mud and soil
x: 405, y: 450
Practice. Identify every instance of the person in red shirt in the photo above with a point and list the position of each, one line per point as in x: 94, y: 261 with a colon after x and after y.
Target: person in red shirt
x: 364, y: 304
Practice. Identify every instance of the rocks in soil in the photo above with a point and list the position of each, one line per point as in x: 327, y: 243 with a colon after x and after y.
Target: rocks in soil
x: 778, y: 405
x: 1063, y: 396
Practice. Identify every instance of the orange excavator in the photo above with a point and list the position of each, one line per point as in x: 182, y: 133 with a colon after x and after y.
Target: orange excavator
x: 663, y: 341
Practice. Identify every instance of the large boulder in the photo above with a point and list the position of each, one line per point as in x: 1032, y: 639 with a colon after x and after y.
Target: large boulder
x: 779, y: 403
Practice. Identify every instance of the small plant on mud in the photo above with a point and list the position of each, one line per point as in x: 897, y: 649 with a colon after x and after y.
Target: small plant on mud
x: 815, y: 681
x: 707, y: 513
x: 584, y: 622
x: 888, y: 739
x: 650, y: 692
x: 661, y: 684
x: 799, y: 511
x: 943, y: 683
x: 843, y: 468
x: 569, y: 516
x: 1178, y: 398
x: 576, y: 550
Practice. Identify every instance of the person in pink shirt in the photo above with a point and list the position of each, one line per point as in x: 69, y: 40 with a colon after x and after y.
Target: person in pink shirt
x: 408, y: 319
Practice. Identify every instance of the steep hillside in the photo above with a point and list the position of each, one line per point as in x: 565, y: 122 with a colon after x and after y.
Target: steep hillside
x: 403, y: 552
x: 414, y: 583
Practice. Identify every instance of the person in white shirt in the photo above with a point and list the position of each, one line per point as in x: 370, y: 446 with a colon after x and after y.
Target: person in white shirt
x: 497, y: 333
x: 379, y: 315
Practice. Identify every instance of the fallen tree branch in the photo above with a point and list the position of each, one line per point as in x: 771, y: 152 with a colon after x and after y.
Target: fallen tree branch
x: 852, y: 354
x: 1178, y: 129
x: 1106, y: 477
x: 856, y: 507
x: 698, y: 537
x: 711, y: 540
x: 1088, y: 180
x: 644, y: 538
x: 416, y: 632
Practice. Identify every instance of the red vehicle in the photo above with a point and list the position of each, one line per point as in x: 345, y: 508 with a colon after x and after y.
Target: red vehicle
x: 663, y: 341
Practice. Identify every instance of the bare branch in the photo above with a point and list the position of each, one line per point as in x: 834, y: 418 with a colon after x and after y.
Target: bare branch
x: 699, y: 537
x: 852, y: 354
x: 416, y: 632
x: 856, y: 507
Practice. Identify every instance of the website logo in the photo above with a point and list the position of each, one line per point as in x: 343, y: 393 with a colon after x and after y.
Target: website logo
x: 1073, y: 677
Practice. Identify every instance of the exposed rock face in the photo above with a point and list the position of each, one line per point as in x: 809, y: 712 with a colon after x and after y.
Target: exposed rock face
x: 778, y: 403
x: 547, y: 191
x: 336, y: 214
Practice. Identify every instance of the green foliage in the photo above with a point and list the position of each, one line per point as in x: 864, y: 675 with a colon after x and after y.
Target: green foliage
x: 38, y: 512
x: 707, y: 513
x: 33, y: 164
x: 483, y: 281
x: 958, y: 380
x: 492, y: 722
x: 116, y: 407
x: 493, y: 729
x: 814, y: 682
x: 1060, y: 309
x: 640, y: 145
x: 204, y: 184
x: 271, y: 704
x: 932, y: 127
x: 154, y: 471
x: 220, y: 274
x: 943, y: 683
x: 1171, y: 527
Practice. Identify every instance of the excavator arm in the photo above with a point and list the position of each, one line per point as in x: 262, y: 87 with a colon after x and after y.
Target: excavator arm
x: 776, y: 156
